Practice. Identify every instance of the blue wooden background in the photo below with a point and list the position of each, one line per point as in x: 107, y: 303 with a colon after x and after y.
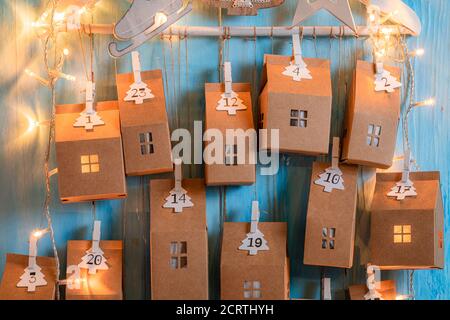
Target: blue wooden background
x: 187, y: 64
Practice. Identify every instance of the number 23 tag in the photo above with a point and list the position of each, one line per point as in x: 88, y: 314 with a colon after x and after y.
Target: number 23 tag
x: 138, y: 93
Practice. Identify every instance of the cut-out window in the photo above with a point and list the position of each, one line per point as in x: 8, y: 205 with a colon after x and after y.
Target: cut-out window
x: 178, y: 255
x: 441, y: 239
x: 146, y: 141
x: 90, y: 163
x: 373, y: 135
x: 299, y: 118
x: 328, y: 238
x: 252, y: 290
x: 231, y: 155
x: 402, y: 234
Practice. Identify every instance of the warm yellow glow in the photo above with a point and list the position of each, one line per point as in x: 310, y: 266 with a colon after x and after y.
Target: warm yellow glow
x: 66, y: 52
x: 38, y: 233
x: 426, y: 103
x: 372, y: 17
x: 59, y: 16
x: 160, y: 18
x: 32, y: 124
x: 418, y: 52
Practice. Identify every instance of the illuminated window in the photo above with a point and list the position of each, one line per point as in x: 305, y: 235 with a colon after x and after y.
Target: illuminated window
x: 299, y: 118
x: 178, y: 255
x: 252, y: 290
x: 146, y: 140
x: 231, y: 155
x: 402, y: 234
x: 373, y: 135
x: 328, y: 238
x: 90, y: 164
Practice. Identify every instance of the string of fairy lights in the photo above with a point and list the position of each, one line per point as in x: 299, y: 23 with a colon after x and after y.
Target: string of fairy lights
x: 387, y: 44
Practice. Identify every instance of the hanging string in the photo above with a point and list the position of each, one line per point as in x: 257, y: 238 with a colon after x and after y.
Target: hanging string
x: 83, y: 55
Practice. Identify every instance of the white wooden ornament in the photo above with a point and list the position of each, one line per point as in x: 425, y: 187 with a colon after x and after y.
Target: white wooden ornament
x: 32, y: 276
x: 255, y: 241
x: 384, y: 81
x: 230, y: 101
x: 339, y: 8
x: 139, y: 91
x: 399, y: 12
x: 89, y: 118
x: 178, y: 198
x: 332, y: 178
x: 297, y: 69
x: 373, y: 283
x: 73, y: 14
x: 94, y: 259
x: 74, y: 277
x: 146, y: 19
x: 404, y: 188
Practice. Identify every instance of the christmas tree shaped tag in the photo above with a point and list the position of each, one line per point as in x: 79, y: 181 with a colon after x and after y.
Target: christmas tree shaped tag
x: 373, y: 283
x: 297, y: 69
x: 178, y: 198
x: 73, y: 281
x: 230, y: 101
x: 89, y: 118
x: 33, y: 276
x: 254, y: 241
x: 94, y: 260
x: 405, y: 187
x: 384, y: 81
x: 139, y: 90
x: 332, y: 177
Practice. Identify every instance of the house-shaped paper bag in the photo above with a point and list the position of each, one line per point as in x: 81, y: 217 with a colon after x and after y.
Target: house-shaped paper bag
x: 301, y: 110
x: 178, y: 240
x: 246, y: 276
x: 387, y: 290
x: 409, y: 233
x: 14, y: 271
x: 237, y: 115
x: 330, y: 223
x: 90, y: 161
x: 104, y: 280
x: 144, y: 124
x: 371, y: 120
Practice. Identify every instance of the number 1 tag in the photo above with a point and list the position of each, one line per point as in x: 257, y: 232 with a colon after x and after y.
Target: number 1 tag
x: 138, y: 93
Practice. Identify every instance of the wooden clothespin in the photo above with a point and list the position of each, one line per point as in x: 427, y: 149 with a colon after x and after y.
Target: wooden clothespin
x: 178, y: 175
x: 32, y: 249
x: 255, y: 217
x: 326, y: 289
x: 136, y: 66
x: 228, y: 79
x: 297, y: 49
x: 406, y: 166
x: 379, y: 68
x: 335, y: 153
x: 90, y: 97
x: 96, y: 237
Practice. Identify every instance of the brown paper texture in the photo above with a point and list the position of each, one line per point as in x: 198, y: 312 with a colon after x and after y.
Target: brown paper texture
x: 167, y: 228
x: 387, y: 290
x: 281, y: 96
x: 14, y: 268
x: 103, y: 148
x: 149, y: 117
x: 241, y: 11
x: 366, y: 108
x: 419, y: 222
x: 269, y: 269
x: 105, y: 284
x: 221, y: 174
x: 335, y: 210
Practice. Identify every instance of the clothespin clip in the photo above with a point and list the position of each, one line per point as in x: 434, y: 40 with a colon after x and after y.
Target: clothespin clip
x: 406, y: 166
x: 32, y: 252
x: 96, y: 237
x: 373, y: 283
x: 90, y: 97
x: 379, y: 68
x: 326, y: 289
x: 335, y: 153
x: 178, y: 176
x: 298, y: 55
x: 73, y: 14
x: 136, y: 66
x: 255, y: 217
x: 228, y: 79
x: 73, y: 282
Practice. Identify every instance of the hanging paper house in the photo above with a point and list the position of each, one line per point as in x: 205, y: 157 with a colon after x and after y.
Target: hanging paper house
x: 387, y: 290
x: 264, y: 275
x: 144, y: 123
x: 243, y: 7
x: 100, y: 271
x: 90, y: 162
x: 301, y: 110
x: 14, y: 270
x: 407, y: 234
x: 233, y: 113
x: 372, y: 120
x: 178, y: 241
x: 330, y: 223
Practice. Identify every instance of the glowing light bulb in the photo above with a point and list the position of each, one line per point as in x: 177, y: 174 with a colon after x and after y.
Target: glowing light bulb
x: 32, y: 124
x: 160, y: 18
x: 418, y: 52
x: 59, y: 16
x: 38, y: 233
x: 426, y: 103
x: 372, y: 17
x: 66, y: 52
